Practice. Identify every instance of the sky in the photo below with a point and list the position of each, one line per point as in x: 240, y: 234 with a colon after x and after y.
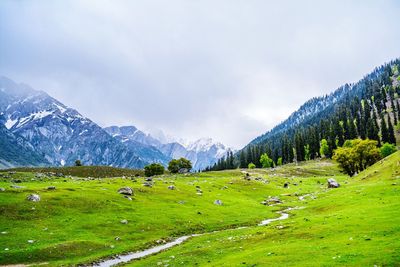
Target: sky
x: 225, y: 69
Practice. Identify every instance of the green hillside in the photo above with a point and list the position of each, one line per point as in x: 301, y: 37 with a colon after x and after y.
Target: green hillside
x: 80, y: 221
x: 80, y: 171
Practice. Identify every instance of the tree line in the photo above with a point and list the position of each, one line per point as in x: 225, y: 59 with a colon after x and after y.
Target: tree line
x: 369, y: 109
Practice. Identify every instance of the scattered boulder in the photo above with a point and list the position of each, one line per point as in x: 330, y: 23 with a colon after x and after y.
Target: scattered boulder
x: 148, y: 184
x: 126, y: 191
x: 171, y: 187
x: 2, y: 189
x: 218, y: 202
x: 16, y: 186
x: 332, y: 183
x: 272, y: 201
x: 33, y: 197
x: 247, y: 177
x: 183, y: 170
x: 124, y: 221
x: 51, y: 188
x: 16, y: 181
x: 286, y: 185
x: 149, y: 179
x: 128, y: 197
x: 117, y: 238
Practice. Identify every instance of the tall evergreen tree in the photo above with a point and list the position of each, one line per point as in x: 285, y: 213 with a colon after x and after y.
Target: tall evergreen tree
x: 352, y: 128
x: 384, y: 130
x: 392, y: 138
x: 242, y: 159
x: 372, y: 131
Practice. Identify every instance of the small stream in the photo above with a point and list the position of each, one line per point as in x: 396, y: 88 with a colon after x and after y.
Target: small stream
x: 153, y: 250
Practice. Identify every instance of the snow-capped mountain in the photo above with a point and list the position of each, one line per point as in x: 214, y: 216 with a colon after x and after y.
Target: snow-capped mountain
x: 16, y: 151
x: 50, y: 133
x: 139, y: 142
x: 202, y: 153
x: 60, y: 134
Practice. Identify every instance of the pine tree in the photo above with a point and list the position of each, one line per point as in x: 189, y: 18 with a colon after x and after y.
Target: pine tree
x: 352, y: 128
x: 339, y: 132
x: 372, y: 131
x: 398, y: 109
x: 392, y: 138
x: 242, y: 159
x: 384, y: 130
x: 248, y: 156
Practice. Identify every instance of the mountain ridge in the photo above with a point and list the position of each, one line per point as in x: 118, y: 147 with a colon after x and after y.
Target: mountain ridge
x: 55, y: 134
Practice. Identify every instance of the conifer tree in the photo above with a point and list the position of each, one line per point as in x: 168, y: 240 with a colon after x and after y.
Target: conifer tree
x: 242, y: 159
x: 384, y: 130
x: 352, y: 128
x: 392, y: 138
x: 372, y: 130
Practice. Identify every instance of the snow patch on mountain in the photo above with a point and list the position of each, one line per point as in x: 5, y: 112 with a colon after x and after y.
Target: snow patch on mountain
x: 10, y: 123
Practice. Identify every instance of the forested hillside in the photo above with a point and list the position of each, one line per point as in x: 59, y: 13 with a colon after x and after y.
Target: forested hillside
x: 366, y: 109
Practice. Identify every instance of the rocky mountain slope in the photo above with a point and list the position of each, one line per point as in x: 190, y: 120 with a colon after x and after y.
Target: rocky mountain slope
x: 16, y: 151
x: 36, y: 129
x: 201, y: 153
x: 60, y: 134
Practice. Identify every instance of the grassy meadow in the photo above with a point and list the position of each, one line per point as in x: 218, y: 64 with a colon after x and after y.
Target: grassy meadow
x: 79, y: 222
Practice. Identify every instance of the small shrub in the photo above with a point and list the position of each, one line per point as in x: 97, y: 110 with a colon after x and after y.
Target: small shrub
x: 177, y: 164
x: 266, y: 161
x: 251, y: 165
x: 153, y: 169
x: 387, y: 149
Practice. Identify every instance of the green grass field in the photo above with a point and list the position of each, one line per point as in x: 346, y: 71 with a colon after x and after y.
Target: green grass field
x: 81, y: 171
x: 357, y: 224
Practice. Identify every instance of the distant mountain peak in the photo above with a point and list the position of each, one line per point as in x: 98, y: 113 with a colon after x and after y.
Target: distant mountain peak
x: 202, y: 152
x: 59, y: 133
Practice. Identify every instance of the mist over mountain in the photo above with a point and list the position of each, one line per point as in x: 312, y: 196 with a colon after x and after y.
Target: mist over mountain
x: 37, y: 129
x: 369, y: 108
x: 201, y: 152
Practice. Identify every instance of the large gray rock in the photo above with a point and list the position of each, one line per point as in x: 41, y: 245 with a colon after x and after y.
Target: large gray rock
x: 126, y: 191
x: 272, y: 201
x: 332, y: 183
x: 33, y: 197
x: 148, y: 184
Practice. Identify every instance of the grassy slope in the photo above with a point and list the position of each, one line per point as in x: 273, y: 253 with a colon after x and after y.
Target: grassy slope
x: 82, y: 171
x: 357, y: 224
x: 78, y: 222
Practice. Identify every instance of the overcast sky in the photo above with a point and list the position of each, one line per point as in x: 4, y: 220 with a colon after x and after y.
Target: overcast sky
x: 229, y: 70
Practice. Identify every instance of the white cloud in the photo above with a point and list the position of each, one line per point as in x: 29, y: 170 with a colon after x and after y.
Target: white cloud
x: 226, y: 69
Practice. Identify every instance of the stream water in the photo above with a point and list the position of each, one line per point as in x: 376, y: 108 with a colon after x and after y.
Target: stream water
x: 153, y: 250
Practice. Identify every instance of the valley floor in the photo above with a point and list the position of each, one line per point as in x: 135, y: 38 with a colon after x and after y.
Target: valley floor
x: 84, y: 220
